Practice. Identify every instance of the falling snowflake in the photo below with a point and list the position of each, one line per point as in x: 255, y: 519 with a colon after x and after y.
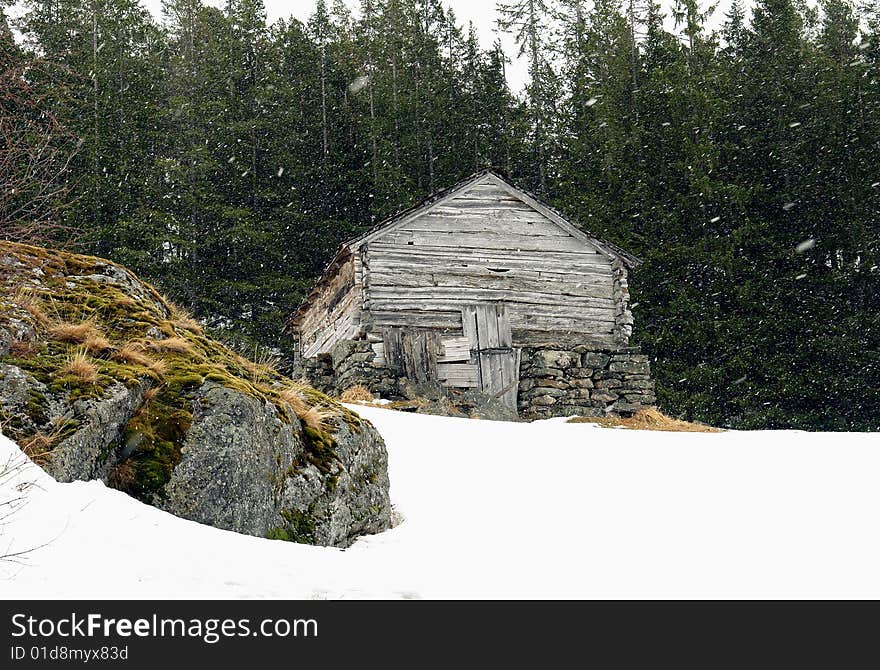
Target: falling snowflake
x: 806, y: 245
x: 359, y: 84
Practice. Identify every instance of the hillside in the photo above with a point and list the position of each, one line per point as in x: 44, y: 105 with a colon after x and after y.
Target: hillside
x: 503, y: 510
x: 102, y: 378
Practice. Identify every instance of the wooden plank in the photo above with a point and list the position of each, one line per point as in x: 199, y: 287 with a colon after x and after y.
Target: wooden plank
x: 482, y: 240
x: 502, y: 326
x: 448, y: 320
x: 487, y: 334
x: 433, y: 295
x: 381, y: 254
x: 481, y: 190
x: 469, y: 325
x: 345, y: 328
x: 581, y: 313
x: 535, y: 338
x: 458, y: 375
x: 591, y: 286
x: 561, y: 326
x: 393, y: 347
x: 518, y: 225
x: 379, y: 350
x: 455, y: 349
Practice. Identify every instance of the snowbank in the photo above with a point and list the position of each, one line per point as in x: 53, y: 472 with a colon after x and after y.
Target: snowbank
x: 500, y: 510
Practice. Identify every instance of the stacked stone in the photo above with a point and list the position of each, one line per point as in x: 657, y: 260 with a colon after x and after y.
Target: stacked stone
x: 350, y: 363
x: 318, y: 372
x: 584, y: 381
x: 623, y: 318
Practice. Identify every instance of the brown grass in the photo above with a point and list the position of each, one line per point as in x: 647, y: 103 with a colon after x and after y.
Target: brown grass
x: 21, y: 348
x: 79, y: 365
x: 174, y: 345
x: 38, y: 448
x: 313, y: 416
x: 262, y: 366
x: 134, y: 353
x: 294, y: 397
x: 75, y: 333
x: 26, y: 298
x: 316, y: 418
x: 182, y: 317
x: 86, y: 334
x: 150, y: 394
x: 648, y: 419
x: 121, y: 476
x: 357, y: 393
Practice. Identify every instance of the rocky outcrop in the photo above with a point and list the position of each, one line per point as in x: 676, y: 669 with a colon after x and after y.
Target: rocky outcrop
x: 102, y: 378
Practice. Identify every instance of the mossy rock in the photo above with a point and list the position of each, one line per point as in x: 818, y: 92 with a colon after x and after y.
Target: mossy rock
x: 128, y: 391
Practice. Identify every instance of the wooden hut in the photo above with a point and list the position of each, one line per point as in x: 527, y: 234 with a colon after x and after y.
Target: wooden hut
x: 454, y: 289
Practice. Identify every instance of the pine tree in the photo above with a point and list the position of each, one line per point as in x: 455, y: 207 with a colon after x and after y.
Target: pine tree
x: 527, y: 20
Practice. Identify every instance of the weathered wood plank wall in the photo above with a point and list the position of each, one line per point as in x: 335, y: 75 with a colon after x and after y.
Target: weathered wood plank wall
x: 484, y: 246
x: 335, y: 314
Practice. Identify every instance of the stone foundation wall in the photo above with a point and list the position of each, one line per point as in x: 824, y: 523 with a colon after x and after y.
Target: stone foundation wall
x: 583, y: 381
x: 350, y: 363
x: 554, y: 381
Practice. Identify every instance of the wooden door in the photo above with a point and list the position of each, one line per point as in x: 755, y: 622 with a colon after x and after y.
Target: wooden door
x: 413, y: 352
x: 488, y: 329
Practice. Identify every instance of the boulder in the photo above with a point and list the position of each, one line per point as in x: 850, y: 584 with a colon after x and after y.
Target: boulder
x: 167, y: 415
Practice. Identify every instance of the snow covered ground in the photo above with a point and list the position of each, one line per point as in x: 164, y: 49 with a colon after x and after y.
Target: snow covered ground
x: 499, y: 510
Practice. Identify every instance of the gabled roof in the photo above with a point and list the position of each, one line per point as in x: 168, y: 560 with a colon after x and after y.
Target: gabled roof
x: 442, y: 197
x: 490, y: 176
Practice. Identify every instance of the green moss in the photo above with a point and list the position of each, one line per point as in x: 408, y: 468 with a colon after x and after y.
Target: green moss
x: 297, y: 527
x: 37, y: 407
x: 153, y: 439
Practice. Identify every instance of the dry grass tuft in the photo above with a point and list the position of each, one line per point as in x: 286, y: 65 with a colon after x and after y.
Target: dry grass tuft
x: 316, y: 418
x: 121, y: 476
x: 26, y: 298
x: 79, y: 365
x: 76, y: 333
x: 22, y: 348
x: 173, y: 345
x: 97, y: 344
x: 357, y: 393
x: 262, y: 367
x: 182, y: 317
x: 150, y: 394
x: 134, y: 353
x: 313, y: 416
x: 297, y: 401
x: 38, y: 448
x: 86, y: 334
x: 648, y: 419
